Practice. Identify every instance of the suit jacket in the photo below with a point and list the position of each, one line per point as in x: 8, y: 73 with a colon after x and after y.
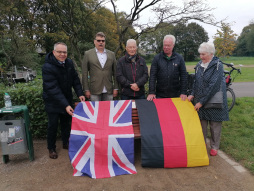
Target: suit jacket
x: 99, y: 77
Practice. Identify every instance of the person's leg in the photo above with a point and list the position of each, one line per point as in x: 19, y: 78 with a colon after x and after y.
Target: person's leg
x: 204, y: 124
x: 215, y: 127
x: 124, y: 97
x: 95, y: 97
x: 106, y: 97
x: 65, y: 122
x: 140, y: 97
x: 52, y: 130
x: 51, y: 134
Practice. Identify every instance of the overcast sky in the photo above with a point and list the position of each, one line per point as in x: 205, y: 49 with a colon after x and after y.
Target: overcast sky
x: 238, y: 12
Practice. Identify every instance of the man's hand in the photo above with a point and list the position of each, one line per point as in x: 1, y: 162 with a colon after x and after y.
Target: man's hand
x: 82, y: 98
x: 115, y: 92
x: 134, y: 87
x: 69, y: 110
x: 183, y: 97
x: 87, y: 94
x: 150, y: 97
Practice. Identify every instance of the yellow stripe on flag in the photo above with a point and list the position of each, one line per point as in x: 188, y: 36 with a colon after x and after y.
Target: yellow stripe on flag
x: 195, y: 143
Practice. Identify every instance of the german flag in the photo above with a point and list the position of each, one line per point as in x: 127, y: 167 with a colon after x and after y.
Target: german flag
x: 171, y: 134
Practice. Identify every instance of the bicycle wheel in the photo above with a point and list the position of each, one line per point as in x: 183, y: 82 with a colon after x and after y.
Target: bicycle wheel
x: 230, y: 98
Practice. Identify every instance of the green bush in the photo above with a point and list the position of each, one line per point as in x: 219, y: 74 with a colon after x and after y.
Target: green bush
x: 29, y: 94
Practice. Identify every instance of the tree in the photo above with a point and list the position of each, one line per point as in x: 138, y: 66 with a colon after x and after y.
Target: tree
x: 166, y: 12
x: 245, y: 42
x: 225, y: 40
x: 188, y: 38
x: 17, y: 46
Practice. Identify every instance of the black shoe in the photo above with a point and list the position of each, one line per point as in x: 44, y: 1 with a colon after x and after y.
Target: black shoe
x: 66, y: 146
x: 52, y: 154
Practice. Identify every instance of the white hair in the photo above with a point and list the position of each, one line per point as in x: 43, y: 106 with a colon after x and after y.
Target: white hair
x: 130, y: 41
x: 207, y: 47
x: 62, y: 43
x: 170, y: 37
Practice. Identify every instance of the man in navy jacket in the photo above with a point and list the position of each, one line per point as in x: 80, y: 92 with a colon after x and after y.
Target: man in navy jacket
x: 168, y: 76
x: 59, y: 77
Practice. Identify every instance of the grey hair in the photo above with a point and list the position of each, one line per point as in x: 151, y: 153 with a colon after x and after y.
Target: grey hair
x: 129, y: 41
x: 62, y: 43
x: 207, y: 47
x: 171, y: 37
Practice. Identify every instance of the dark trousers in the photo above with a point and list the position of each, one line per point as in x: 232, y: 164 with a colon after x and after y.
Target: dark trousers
x: 65, y: 124
x: 124, y: 97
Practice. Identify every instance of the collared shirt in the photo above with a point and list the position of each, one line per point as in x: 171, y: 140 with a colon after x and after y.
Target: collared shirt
x: 61, y: 62
x: 102, y: 57
x: 205, y: 65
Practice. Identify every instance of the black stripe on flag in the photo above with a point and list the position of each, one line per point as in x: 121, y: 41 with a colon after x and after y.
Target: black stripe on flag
x: 152, y: 154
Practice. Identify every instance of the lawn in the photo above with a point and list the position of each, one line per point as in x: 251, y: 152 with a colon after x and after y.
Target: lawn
x: 247, y: 68
x: 237, y: 139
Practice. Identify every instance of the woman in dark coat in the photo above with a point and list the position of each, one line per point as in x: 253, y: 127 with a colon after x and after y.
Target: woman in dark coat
x: 209, y: 79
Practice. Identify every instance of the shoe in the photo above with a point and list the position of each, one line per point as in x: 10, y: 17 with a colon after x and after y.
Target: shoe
x: 66, y: 146
x: 53, y: 154
x: 213, y: 152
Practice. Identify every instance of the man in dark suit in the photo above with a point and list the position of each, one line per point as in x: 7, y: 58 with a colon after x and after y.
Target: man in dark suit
x: 100, y: 65
x: 59, y: 77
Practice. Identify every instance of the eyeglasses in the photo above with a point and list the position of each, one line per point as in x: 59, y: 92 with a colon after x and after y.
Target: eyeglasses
x: 100, y: 40
x: 61, y: 52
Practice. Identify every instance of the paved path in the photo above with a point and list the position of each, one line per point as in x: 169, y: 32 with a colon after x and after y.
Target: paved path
x: 243, y: 89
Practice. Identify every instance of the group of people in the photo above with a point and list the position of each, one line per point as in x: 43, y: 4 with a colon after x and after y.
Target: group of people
x: 103, y: 78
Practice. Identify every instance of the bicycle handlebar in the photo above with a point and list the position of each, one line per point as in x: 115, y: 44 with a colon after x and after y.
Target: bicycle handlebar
x: 231, y: 65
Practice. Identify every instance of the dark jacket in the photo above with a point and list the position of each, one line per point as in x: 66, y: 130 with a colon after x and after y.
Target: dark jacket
x: 168, y: 77
x: 207, y: 83
x: 58, y: 80
x: 129, y: 72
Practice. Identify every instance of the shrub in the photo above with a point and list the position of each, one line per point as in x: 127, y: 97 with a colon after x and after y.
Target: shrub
x: 29, y: 94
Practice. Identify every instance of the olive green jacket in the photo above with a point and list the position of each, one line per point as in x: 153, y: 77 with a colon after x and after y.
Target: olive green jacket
x: 94, y: 77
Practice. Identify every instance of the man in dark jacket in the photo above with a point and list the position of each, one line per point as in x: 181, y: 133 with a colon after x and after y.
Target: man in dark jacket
x: 168, y: 76
x: 132, y: 73
x: 59, y: 76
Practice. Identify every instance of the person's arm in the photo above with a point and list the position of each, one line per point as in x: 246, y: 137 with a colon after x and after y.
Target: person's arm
x: 142, y: 81
x: 76, y: 82
x: 114, y: 72
x: 122, y: 80
x: 152, y: 80
x: 183, y: 78
x: 214, y: 84
x: 85, y: 69
x: 153, y: 76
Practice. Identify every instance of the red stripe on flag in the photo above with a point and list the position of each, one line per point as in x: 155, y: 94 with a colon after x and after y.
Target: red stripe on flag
x: 89, y: 106
x: 120, y: 111
x: 81, y: 153
x: 122, y: 165
x: 175, y: 152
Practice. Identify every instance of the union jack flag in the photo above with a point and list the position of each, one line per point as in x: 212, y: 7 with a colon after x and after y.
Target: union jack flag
x: 102, y: 139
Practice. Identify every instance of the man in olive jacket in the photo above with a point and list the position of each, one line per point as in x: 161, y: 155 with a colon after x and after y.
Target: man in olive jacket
x: 59, y: 77
x: 99, y: 72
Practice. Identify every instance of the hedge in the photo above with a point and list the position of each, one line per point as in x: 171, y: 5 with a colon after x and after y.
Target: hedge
x: 29, y: 94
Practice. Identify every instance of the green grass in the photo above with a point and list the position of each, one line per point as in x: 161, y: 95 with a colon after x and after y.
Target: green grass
x: 237, y: 139
x: 247, y: 69
x: 235, y: 60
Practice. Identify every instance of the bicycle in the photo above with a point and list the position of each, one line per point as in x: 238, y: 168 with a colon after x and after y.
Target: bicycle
x: 229, y: 79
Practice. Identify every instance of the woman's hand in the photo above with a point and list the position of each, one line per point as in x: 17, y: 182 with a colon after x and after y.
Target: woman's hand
x: 190, y: 97
x: 197, y: 106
